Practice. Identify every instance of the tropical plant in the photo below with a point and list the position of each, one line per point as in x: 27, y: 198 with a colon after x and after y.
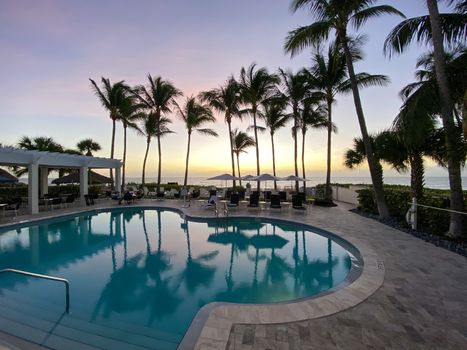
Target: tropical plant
x: 296, y: 88
x: 130, y: 113
x: 275, y: 118
x: 158, y: 96
x: 437, y: 29
x: 328, y: 74
x: 195, y: 115
x: 256, y: 86
x: 336, y: 16
x: 241, y: 141
x: 87, y: 146
x: 110, y: 96
x: 226, y: 99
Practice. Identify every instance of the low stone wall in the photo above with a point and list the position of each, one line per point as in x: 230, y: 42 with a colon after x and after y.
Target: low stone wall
x: 346, y: 194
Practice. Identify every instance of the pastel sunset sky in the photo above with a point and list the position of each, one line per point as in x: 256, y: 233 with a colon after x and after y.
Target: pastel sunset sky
x: 51, y: 48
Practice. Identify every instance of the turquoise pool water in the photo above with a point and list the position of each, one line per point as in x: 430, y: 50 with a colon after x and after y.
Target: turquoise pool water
x: 150, y: 269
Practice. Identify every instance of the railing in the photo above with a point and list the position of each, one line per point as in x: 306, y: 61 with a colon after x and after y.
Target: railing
x: 58, y: 279
x: 411, y: 216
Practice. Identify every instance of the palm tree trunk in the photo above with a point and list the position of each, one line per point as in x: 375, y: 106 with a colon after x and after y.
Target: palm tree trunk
x: 303, y: 159
x: 112, y: 147
x: 159, y: 164
x: 455, y: 181
x: 464, y: 115
x: 187, y: 158
x: 257, y: 147
x: 295, y: 146
x: 372, y: 164
x: 124, y: 156
x: 238, y: 168
x: 273, y: 160
x: 417, y: 174
x: 231, y: 150
x: 328, y: 194
x: 143, y: 176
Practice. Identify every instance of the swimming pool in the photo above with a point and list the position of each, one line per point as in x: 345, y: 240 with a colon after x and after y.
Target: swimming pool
x: 139, y: 276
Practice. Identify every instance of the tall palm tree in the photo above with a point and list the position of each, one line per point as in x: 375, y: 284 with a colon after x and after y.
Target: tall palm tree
x: 195, y: 115
x: 87, y: 146
x: 336, y: 16
x: 313, y: 115
x: 158, y: 96
x: 328, y: 74
x: 110, y: 96
x: 130, y: 113
x: 256, y: 86
x: 226, y: 99
x: 275, y: 118
x: 241, y: 141
x: 437, y: 29
x: 40, y: 143
x: 296, y: 87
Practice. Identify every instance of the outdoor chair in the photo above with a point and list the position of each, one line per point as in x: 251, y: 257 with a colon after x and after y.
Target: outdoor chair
x: 241, y: 195
x: 254, y: 200
x: 13, y: 206
x: 211, y: 203
x: 70, y: 199
x: 128, y: 197
x: 283, y: 196
x: 234, y: 201
x: 89, y: 200
x: 297, y: 202
x: 56, y: 202
x: 195, y: 194
x: 267, y: 196
x: 275, y: 201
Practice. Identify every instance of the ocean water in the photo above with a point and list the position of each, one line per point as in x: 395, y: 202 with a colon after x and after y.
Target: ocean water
x: 436, y: 182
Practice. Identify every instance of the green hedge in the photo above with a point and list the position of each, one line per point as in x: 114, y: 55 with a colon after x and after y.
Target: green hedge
x: 398, y: 199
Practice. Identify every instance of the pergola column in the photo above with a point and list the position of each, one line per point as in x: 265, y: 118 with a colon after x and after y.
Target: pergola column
x: 118, y: 180
x: 33, y: 188
x: 83, y: 183
x: 44, y: 180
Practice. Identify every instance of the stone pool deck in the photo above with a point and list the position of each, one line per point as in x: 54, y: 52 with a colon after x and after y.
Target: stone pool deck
x: 421, y: 304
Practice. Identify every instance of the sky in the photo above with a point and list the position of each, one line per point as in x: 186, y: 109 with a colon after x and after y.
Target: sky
x: 50, y: 49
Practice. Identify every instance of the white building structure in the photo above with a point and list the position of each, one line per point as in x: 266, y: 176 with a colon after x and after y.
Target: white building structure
x: 35, y: 160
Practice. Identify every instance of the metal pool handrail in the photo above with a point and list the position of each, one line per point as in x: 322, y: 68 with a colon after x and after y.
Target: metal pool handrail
x: 46, y: 277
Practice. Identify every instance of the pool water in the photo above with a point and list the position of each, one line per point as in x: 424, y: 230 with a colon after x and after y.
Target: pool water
x: 152, y: 269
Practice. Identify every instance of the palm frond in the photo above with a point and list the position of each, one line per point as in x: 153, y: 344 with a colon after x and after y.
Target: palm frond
x: 360, y: 18
x: 302, y: 37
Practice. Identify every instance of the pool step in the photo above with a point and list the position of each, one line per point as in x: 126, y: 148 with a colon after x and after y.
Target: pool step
x: 48, y: 326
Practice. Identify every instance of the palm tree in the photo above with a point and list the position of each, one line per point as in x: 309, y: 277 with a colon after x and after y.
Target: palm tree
x: 226, y: 99
x: 256, y: 86
x: 313, y: 115
x: 296, y: 88
x: 275, y: 118
x: 110, y: 96
x: 241, y: 141
x: 40, y: 143
x: 158, y: 96
x: 328, y: 74
x: 416, y: 122
x: 336, y: 16
x: 130, y: 113
x: 87, y: 146
x: 195, y: 115
x: 387, y: 148
x: 437, y: 29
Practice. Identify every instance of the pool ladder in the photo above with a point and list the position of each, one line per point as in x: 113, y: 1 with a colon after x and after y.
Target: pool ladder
x: 226, y: 211
x: 46, y: 277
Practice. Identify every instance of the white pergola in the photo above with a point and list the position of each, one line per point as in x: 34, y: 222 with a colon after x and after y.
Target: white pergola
x: 35, y: 160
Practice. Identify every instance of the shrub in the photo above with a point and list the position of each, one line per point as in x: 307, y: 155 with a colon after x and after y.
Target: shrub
x: 398, y: 199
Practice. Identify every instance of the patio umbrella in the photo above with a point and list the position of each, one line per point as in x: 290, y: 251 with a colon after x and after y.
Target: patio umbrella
x: 224, y: 177
x: 74, y: 178
x: 248, y: 177
x: 293, y: 178
x: 266, y: 178
x: 7, y: 178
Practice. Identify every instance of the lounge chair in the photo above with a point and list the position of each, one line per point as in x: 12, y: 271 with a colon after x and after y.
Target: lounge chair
x: 211, y: 203
x: 234, y: 201
x: 275, y: 201
x: 254, y: 200
x: 297, y: 202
